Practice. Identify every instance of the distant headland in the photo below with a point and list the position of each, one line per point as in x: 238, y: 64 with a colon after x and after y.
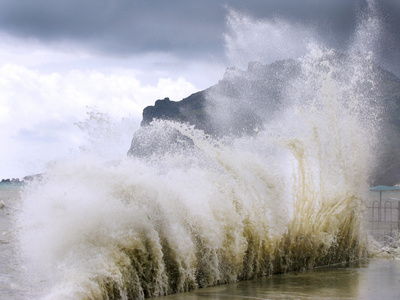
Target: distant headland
x: 23, y: 180
x: 8, y: 180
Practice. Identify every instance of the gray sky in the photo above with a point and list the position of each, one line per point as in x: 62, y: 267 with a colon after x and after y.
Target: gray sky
x: 190, y: 29
x: 61, y: 59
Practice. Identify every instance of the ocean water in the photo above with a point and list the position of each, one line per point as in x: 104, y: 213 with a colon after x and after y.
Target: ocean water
x: 11, y: 278
x: 289, y: 197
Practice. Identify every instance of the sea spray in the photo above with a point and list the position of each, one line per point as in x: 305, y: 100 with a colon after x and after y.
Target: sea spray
x: 284, y: 194
x: 215, y: 213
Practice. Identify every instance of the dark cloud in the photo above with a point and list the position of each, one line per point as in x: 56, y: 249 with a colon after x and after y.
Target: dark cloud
x: 119, y: 27
x: 188, y: 28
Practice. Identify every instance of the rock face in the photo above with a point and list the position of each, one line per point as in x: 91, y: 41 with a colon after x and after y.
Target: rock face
x: 150, y: 140
x: 188, y: 110
x: 248, y: 99
x: 249, y: 96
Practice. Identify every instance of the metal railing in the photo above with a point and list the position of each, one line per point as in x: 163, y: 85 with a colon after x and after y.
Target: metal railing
x: 383, y: 216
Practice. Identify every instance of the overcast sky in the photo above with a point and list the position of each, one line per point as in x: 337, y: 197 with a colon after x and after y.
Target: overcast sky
x: 60, y: 60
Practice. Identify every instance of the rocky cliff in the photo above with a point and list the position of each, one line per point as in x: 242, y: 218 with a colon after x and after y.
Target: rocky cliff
x: 245, y: 94
x: 247, y: 100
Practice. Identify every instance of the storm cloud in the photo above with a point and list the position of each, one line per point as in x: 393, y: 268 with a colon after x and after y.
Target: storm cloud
x: 189, y: 29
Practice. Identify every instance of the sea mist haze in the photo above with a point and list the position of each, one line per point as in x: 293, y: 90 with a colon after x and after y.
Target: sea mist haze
x: 278, y: 183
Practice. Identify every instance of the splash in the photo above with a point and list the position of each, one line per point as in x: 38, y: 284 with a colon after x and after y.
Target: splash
x: 105, y: 136
x: 264, y: 41
x: 212, y: 215
x: 286, y: 195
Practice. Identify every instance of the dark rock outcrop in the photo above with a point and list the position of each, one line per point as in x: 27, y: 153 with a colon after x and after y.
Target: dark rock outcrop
x: 188, y: 110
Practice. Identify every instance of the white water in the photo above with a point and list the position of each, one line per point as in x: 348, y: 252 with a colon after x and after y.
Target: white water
x: 289, y: 197
x: 286, y: 199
